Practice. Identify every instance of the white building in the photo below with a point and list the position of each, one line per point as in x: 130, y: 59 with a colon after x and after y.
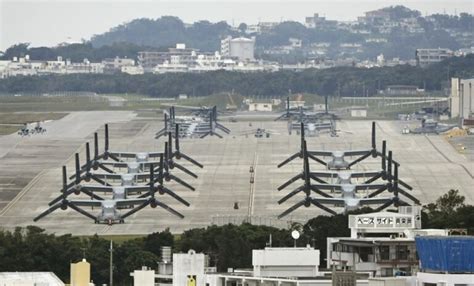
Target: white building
x: 461, y: 100
x: 267, y: 107
x: 240, y: 48
x: 426, y: 57
x: 188, y: 269
x: 285, y: 262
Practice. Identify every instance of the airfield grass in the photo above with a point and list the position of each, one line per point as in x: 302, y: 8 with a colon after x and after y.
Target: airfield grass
x: 8, y: 129
x: 147, y: 107
x: 11, y: 122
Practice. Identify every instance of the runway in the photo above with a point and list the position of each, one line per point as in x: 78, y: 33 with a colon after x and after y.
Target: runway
x: 30, y: 171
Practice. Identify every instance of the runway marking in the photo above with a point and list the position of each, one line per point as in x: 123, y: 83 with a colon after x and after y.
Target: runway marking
x: 447, y: 158
x: 22, y: 193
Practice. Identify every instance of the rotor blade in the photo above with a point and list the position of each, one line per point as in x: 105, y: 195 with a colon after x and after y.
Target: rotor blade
x: 134, y: 210
x: 99, y: 180
x: 170, y: 209
x: 47, y: 212
x: 64, y: 179
x: 176, y: 138
x: 217, y: 134
x: 318, y: 191
x: 186, y: 157
x: 62, y: 196
x: 78, y: 169
x: 178, y: 180
x: 405, y: 184
x: 187, y: 171
x: 291, y: 158
x: 290, y: 181
x: 377, y: 192
x: 323, y: 207
x: 103, y: 167
x: 314, y: 158
x: 91, y: 194
x: 160, y: 171
x: 106, y: 131
x: 291, y: 194
x: 315, y: 177
x: 384, y: 206
x: 292, y: 209
x: 408, y: 195
x: 373, y: 136
x: 144, y: 195
x: 359, y: 159
x: 374, y: 178
x: 176, y: 196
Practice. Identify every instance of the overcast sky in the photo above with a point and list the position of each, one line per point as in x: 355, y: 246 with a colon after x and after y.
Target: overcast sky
x: 49, y: 22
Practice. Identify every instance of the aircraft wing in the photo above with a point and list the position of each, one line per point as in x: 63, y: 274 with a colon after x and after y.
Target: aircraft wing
x: 325, y: 174
x: 114, y: 164
x: 321, y: 153
x: 86, y: 203
x: 369, y: 186
x: 136, y: 189
x: 356, y: 152
x: 364, y: 174
x: 108, y: 176
x: 97, y: 188
x: 328, y: 186
x: 124, y: 154
x: 329, y: 200
x: 154, y: 155
x: 127, y: 202
x: 373, y: 201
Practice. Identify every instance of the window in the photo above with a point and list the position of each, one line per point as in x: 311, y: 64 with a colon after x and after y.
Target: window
x: 402, y: 252
x: 386, y: 272
x: 384, y: 252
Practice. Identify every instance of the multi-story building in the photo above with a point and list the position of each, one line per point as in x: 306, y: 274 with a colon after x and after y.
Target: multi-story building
x: 178, y: 55
x: 381, y: 243
x: 426, y: 57
x: 240, y: 48
x: 461, y: 100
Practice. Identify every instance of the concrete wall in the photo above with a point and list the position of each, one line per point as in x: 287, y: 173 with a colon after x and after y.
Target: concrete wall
x: 446, y: 279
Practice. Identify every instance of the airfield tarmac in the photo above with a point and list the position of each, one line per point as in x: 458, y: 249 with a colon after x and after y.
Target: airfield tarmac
x: 31, y: 168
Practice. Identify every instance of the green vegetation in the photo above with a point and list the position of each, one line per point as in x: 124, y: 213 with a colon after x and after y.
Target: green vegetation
x: 342, y: 81
x: 20, y: 118
x: 8, y: 129
x: 31, y: 249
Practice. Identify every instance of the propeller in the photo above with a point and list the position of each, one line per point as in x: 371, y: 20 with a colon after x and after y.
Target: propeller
x: 152, y: 201
x: 178, y: 154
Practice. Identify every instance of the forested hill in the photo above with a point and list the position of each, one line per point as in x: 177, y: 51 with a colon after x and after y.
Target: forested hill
x: 166, y: 32
x: 126, y: 40
x: 344, y: 81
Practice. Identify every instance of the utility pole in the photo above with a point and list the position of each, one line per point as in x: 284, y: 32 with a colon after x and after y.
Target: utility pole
x: 111, y: 273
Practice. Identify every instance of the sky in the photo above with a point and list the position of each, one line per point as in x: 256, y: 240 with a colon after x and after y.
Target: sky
x: 49, y: 22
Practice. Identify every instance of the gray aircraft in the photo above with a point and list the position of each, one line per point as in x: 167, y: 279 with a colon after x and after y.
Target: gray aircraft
x: 349, y: 200
x: 109, y: 209
x: 124, y: 191
x: 338, y: 161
